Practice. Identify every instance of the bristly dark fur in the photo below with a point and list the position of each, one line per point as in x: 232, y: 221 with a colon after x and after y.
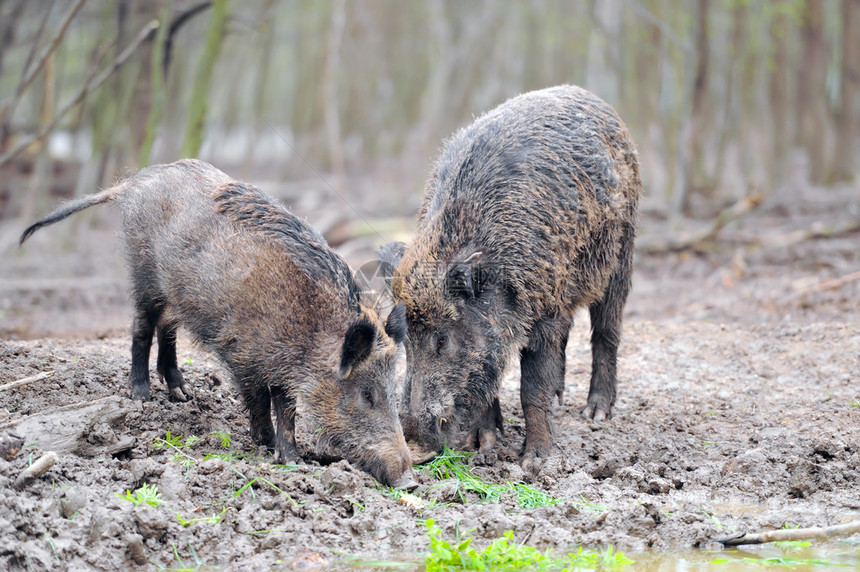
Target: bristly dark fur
x: 264, y: 292
x: 248, y: 206
x: 529, y: 213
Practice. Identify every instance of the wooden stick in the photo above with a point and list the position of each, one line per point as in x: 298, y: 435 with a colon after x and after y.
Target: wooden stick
x: 26, y: 380
x: 834, y: 283
x: 815, y: 231
x: 792, y: 534
x: 37, y: 469
x: 829, y: 284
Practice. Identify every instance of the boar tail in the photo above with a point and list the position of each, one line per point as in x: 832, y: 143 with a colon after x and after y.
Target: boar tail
x: 71, y: 207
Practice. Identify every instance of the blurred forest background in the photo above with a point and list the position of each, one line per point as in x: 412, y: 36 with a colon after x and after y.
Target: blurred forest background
x: 727, y: 99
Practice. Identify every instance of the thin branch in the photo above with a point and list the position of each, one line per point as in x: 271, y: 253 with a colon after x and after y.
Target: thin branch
x: 36, y: 40
x: 26, y: 380
x: 792, y: 534
x: 813, y: 232
x: 829, y: 284
x: 40, y: 63
x: 85, y: 91
x: 708, y: 233
x: 664, y: 29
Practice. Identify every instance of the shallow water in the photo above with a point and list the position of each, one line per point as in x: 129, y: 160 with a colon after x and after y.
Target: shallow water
x: 833, y: 556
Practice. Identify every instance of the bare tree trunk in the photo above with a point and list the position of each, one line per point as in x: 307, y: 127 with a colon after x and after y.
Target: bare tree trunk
x: 40, y: 182
x: 331, y: 107
x: 810, y: 90
x: 728, y: 124
x: 433, y: 98
x: 698, y: 182
x: 846, y: 120
x: 156, y: 84
x: 603, y: 50
x: 200, y: 92
x: 778, y: 91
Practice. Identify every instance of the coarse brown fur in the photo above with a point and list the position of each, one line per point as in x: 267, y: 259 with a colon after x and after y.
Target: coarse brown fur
x: 529, y: 214
x: 263, y: 291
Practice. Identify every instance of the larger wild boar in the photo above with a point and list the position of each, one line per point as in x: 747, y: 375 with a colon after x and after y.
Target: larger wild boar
x: 263, y: 291
x: 529, y: 214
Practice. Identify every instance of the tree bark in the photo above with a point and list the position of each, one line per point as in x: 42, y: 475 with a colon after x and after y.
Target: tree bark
x: 778, y: 91
x: 847, y: 117
x: 698, y: 179
x: 157, y: 80
x: 331, y: 109
x: 200, y: 91
x: 811, y: 90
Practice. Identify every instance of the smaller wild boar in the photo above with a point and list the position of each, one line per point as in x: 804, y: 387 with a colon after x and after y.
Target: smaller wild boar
x: 264, y: 292
x: 530, y: 213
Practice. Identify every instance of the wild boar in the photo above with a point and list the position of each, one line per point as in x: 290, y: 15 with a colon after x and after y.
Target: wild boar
x: 529, y: 213
x: 263, y: 291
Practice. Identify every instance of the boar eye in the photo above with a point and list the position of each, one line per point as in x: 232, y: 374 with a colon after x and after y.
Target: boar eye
x: 367, y: 395
x: 440, y: 342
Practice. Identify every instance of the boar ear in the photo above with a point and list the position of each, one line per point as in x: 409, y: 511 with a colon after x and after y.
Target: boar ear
x: 357, y: 344
x: 389, y: 255
x: 395, y: 325
x: 462, y: 278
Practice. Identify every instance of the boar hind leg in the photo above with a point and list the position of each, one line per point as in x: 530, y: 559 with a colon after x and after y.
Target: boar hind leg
x: 258, y: 400
x: 142, y: 329
x: 285, y: 426
x: 168, y: 369
x: 606, y: 316
x: 542, y: 363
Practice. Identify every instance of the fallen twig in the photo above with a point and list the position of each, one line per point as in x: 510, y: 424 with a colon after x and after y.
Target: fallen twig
x: 815, y: 231
x: 791, y: 534
x: 709, y: 232
x: 37, y: 469
x: 26, y: 380
x: 832, y: 283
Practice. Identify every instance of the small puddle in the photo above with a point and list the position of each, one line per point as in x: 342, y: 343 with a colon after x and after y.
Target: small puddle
x: 833, y: 556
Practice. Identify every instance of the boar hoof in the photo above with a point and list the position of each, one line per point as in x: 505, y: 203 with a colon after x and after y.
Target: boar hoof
x: 176, y: 394
x: 532, y: 463
x: 485, y: 458
x: 140, y: 393
x: 596, y: 414
x: 486, y: 454
x: 286, y: 455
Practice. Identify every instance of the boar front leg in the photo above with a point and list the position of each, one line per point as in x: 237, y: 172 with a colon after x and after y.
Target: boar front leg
x: 486, y: 435
x: 285, y: 426
x: 168, y: 369
x: 542, y: 363
x: 258, y: 400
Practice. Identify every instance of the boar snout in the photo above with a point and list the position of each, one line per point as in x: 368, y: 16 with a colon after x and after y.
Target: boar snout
x: 393, y: 465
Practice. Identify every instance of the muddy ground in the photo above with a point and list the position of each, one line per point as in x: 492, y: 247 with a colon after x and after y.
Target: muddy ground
x: 738, y: 409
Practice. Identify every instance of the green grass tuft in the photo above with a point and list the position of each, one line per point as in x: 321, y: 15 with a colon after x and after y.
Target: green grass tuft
x: 214, y: 519
x: 505, y: 554
x: 145, y: 494
x: 455, y: 465
x: 226, y: 438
